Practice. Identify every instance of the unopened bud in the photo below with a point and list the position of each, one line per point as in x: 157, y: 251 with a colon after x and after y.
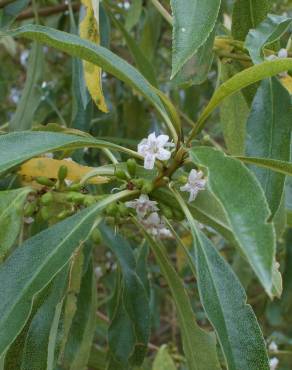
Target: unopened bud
x: 62, y: 173
x: 47, y: 198
x: 42, y: 180
x: 147, y: 187
x: 120, y: 174
x: 132, y: 166
x: 96, y: 236
x: 112, y: 209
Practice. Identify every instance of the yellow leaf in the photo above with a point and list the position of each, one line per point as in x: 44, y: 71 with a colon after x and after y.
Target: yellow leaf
x: 287, y: 82
x: 42, y: 166
x: 181, y: 258
x: 89, y: 30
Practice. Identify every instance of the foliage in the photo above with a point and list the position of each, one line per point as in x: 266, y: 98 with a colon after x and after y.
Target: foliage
x: 145, y: 190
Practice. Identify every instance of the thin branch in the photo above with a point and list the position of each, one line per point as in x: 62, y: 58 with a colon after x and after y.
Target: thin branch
x: 162, y: 11
x: 47, y: 11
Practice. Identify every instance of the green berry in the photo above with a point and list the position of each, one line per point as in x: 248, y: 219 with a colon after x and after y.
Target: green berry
x: 112, y: 209
x: 147, y: 187
x: 29, y: 209
x: 120, y: 174
x: 45, y: 213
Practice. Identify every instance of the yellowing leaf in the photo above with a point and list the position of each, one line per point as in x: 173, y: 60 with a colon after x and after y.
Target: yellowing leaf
x: 49, y: 167
x: 287, y: 82
x: 89, y: 30
x: 181, y: 258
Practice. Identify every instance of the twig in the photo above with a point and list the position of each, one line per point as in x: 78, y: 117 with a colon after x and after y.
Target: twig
x: 162, y: 11
x: 47, y: 11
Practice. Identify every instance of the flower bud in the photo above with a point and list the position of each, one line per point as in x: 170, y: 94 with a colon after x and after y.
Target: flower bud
x: 42, y: 180
x: 62, y: 173
x: 45, y: 213
x: 138, y: 183
x: 121, y: 174
x: 182, y: 180
x: 132, y: 166
x: 29, y: 209
x: 75, y: 197
x: 123, y: 210
x: 147, y: 187
x: 112, y: 209
x: 62, y: 215
x: 89, y: 200
x: 47, y: 198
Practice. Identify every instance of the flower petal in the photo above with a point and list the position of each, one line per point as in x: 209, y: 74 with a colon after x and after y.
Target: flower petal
x: 162, y: 140
x: 163, y: 154
x: 149, y: 161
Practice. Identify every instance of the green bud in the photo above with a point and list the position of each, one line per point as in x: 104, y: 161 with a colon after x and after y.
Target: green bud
x: 62, y: 173
x: 89, y: 200
x: 120, y: 174
x: 42, y: 180
x: 96, y: 236
x: 182, y: 180
x: 132, y: 166
x: 29, y: 209
x: 138, y: 183
x: 45, y: 213
x: 75, y: 187
x: 62, y: 215
x: 47, y: 198
x: 147, y: 187
x: 75, y: 197
x: 112, y: 209
x: 123, y: 210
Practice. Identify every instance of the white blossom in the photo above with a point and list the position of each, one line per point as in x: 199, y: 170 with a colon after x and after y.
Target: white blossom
x: 274, y: 362
x: 283, y: 53
x: 28, y: 220
x: 195, y: 183
x: 273, y: 347
x: 152, y: 148
x: 142, y: 205
x: 156, y: 227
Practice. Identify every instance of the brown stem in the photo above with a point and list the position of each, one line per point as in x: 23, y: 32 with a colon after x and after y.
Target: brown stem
x: 47, y: 11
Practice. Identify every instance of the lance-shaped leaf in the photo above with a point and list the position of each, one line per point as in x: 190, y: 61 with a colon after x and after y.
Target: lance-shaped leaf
x: 11, y: 214
x: 81, y: 334
x: 241, y: 80
x: 99, y: 56
x: 269, y: 31
x: 199, y: 346
x: 89, y: 30
x: 224, y: 301
x: 36, y: 348
x: 272, y: 164
x: 32, y: 266
x: 193, y: 21
x: 246, y: 209
x: 248, y: 14
x: 268, y: 136
x: 19, y: 146
x: 31, y: 94
x: 134, y: 294
x: 163, y: 360
x: 11, y: 10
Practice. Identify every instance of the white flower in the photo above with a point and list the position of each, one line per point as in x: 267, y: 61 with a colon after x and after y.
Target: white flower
x: 195, y: 184
x: 28, y: 220
x: 274, y: 362
x: 143, y: 205
x: 155, y: 226
x: 283, y: 53
x: 273, y: 347
x: 153, y: 148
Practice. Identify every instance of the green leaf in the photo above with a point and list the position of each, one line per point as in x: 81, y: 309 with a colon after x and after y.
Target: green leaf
x: 31, y: 94
x: 33, y: 265
x: 269, y: 31
x: 199, y: 346
x: 82, y: 331
x: 196, y: 69
x: 11, y: 10
x: 99, y: 56
x: 193, y: 21
x: 134, y: 294
x: 238, y: 82
x: 268, y: 136
x: 20, y: 146
x: 133, y: 14
x: 246, y: 209
x: 11, y: 217
x: 248, y: 14
x: 35, y: 352
x: 233, y: 115
x: 224, y: 301
x: 272, y: 164
x: 163, y: 360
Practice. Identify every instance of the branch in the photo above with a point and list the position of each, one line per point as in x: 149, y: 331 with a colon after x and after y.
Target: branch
x: 47, y: 11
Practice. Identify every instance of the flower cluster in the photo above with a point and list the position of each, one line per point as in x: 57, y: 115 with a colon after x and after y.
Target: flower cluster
x: 146, y: 210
